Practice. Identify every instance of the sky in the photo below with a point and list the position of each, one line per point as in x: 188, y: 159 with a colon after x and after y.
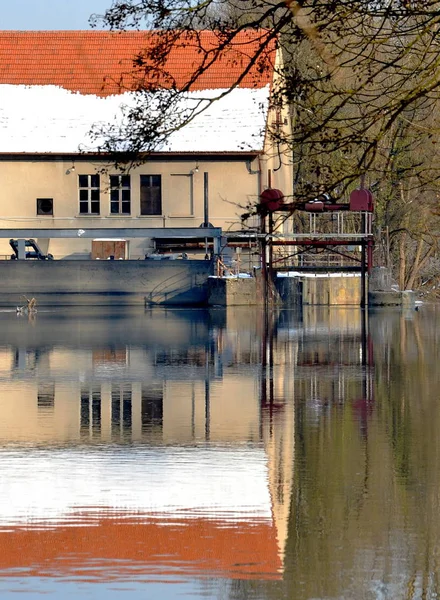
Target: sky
x: 49, y: 14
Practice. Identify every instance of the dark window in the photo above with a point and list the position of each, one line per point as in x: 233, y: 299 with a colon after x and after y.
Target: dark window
x: 152, y: 406
x: 45, y: 206
x: 151, y: 195
x: 120, y: 195
x: 90, y: 412
x: 46, y: 396
x: 88, y: 194
x: 121, y: 410
x: 116, y: 410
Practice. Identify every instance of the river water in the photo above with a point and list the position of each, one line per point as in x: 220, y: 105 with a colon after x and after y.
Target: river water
x: 220, y: 453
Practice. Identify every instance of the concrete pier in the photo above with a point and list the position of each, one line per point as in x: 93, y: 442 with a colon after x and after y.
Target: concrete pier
x: 383, y: 291
x: 328, y: 289
x: 235, y: 291
x: 405, y: 298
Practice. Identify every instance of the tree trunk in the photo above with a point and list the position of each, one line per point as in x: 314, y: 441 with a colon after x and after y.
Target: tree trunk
x: 402, y: 261
x: 418, y: 264
x: 415, y: 266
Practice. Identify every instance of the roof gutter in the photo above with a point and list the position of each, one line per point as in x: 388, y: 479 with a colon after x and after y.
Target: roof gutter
x: 247, y: 156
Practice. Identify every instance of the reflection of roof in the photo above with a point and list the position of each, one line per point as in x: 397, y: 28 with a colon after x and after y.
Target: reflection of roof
x: 102, y: 62
x: 116, y: 548
x: 159, y: 509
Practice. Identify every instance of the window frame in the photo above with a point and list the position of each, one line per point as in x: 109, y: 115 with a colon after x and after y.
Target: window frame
x: 142, y: 202
x: 40, y: 212
x: 90, y: 190
x: 120, y: 188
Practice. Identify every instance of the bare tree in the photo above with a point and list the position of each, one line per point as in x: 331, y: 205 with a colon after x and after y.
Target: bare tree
x: 362, y: 80
x: 351, y: 69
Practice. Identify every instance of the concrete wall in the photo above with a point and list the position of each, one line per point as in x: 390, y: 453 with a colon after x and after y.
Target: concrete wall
x: 342, y: 290
x: 140, y: 282
x: 293, y: 291
x: 235, y: 291
x: 290, y: 290
x: 381, y: 280
x: 405, y: 298
x: 104, y: 282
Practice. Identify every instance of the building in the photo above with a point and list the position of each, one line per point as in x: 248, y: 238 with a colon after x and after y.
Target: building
x: 56, y: 85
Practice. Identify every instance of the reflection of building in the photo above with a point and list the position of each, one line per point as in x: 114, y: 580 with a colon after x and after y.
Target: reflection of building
x: 167, y: 379
x: 215, y: 506
x: 161, y: 412
x: 144, y: 510
x: 168, y: 438
x: 160, y: 451
x: 209, y: 385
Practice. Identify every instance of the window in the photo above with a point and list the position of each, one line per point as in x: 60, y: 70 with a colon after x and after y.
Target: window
x: 88, y: 194
x: 151, y: 195
x: 152, y: 406
x: 121, y: 409
x: 46, y: 396
x: 90, y: 411
x: 45, y: 206
x: 120, y: 195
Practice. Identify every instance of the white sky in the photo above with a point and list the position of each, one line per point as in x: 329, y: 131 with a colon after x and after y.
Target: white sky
x: 49, y: 14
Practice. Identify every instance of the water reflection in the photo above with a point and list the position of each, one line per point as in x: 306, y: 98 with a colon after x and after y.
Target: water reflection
x: 136, y: 445
x: 288, y: 455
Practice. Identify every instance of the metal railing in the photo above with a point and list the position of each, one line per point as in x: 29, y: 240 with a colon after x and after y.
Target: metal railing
x: 335, y: 225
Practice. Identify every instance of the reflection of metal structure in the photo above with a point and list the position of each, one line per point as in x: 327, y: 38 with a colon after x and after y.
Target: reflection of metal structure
x: 222, y: 499
x: 331, y: 363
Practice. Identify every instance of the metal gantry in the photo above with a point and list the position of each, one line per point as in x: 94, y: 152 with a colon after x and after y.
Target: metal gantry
x: 319, y: 227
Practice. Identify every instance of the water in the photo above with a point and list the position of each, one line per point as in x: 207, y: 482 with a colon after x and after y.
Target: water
x: 219, y: 454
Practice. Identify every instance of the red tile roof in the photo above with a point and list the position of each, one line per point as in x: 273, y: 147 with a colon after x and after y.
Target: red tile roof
x: 101, y: 62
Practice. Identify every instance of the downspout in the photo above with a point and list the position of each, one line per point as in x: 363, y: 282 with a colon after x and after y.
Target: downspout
x: 262, y: 241
x: 255, y: 172
x: 206, y: 222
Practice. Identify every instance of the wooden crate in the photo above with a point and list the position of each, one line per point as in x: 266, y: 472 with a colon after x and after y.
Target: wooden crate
x: 104, y: 249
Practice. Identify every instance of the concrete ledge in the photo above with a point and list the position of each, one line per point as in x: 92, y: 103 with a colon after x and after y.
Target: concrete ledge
x: 405, y: 298
x: 105, y: 282
x: 234, y: 291
x: 328, y: 289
